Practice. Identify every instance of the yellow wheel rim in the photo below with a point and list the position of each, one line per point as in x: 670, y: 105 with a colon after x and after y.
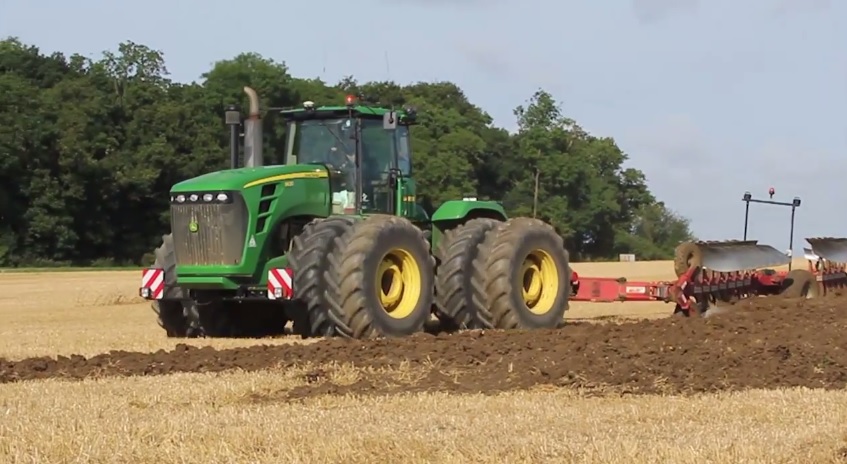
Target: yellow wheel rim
x: 539, y: 282
x: 398, y: 279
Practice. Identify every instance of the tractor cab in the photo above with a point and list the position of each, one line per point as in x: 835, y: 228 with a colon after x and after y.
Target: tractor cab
x: 366, y: 149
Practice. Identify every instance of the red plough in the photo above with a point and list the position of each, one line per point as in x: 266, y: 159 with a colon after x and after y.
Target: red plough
x: 705, y: 279
x: 709, y: 273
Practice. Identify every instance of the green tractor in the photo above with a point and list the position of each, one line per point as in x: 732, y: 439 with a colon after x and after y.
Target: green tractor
x: 334, y: 242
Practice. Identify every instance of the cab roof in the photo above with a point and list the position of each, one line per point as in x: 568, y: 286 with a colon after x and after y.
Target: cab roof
x: 338, y: 111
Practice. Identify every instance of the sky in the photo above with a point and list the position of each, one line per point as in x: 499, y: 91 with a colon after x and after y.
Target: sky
x: 709, y: 99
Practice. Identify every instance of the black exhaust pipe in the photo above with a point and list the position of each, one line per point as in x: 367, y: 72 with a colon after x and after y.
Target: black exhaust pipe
x: 233, y: 120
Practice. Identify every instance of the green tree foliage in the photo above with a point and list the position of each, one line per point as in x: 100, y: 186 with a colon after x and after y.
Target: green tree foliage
x: 89, y: 149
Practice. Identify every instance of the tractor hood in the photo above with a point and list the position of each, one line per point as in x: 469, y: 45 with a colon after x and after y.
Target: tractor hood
x: 245, y: 178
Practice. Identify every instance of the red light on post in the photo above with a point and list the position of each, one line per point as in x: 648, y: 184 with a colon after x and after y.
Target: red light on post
x: 350, y: 100
x: 771, y: 191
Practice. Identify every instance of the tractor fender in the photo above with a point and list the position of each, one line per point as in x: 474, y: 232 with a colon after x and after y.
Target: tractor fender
x: 453, y: 213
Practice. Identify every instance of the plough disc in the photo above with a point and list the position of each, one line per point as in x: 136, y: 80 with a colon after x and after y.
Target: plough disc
x: 829, y: 248
x: 810, y: 255
x: 727, y: 256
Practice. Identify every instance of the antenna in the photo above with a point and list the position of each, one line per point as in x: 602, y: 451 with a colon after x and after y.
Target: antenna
x: 387, y: 67
x: 323, y: 52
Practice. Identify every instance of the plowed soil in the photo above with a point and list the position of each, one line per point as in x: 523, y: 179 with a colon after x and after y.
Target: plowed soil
x: 758, y: 343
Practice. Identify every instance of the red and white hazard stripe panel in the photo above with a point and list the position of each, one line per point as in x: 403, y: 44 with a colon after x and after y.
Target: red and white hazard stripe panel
x: 279, y: 284
x: 152, y: 284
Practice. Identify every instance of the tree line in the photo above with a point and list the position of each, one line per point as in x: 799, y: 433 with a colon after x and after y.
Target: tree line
x: 90, y: 147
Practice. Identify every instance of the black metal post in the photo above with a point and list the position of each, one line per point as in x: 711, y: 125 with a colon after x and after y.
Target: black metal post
x: 746, y: 199
x: 232, y: 118
x: 233, y: 146
x: 791, y: 237
x: 795, y: 203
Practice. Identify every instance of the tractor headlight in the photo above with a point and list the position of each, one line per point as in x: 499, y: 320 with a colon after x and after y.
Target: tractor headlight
x: 203, y: 197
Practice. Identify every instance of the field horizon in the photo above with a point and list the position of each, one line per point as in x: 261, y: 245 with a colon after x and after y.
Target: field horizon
x: 621, y: 391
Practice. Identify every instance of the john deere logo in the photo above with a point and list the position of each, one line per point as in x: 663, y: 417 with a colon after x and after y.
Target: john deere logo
x: 193, y: 226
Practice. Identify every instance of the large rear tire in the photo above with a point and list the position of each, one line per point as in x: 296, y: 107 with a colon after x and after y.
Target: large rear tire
x: 380, y: 279
x: 309, y: 262
x: 455, y: 256
x: 521, y: 276
x: 170, y: 312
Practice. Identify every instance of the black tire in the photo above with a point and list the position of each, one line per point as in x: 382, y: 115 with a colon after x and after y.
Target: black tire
x: 354, y: 292
x: 238, y: 319
x: 454, y: 265
x: 170, y: 312
x: 253, y: 319
x: 182, y: 317
x: 686, y: 255
x: 214, y: 319
x: 800, y: 283
x: 498, y: 275
x: 308, y: 261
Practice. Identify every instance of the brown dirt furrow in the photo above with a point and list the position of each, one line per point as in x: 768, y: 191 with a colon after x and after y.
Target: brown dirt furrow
x: 759, y: 343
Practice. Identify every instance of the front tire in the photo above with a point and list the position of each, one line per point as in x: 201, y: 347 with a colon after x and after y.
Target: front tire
x: 380, y: 279
x: 169, y: 310
x: 309, y: 262
x: 181, y: 316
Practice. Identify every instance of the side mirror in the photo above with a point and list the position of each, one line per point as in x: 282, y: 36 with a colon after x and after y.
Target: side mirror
x: 389, y: 120
x: 393, y: 175
x: 411, y: 115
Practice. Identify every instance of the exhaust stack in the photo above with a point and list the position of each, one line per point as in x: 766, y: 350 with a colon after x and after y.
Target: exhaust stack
x: 253, y: 132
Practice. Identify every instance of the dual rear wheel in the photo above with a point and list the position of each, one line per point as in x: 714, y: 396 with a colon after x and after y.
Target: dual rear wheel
x: 379, y: 278
x: 363, y: 277
x: 503, y: 275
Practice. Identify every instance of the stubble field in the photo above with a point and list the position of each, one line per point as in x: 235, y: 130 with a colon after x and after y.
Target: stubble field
x: 763, y: 382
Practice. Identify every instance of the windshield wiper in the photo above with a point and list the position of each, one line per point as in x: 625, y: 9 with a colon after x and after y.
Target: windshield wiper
x: 337, y: 137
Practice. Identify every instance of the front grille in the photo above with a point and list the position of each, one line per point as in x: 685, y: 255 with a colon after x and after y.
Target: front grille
x: 221, y: 229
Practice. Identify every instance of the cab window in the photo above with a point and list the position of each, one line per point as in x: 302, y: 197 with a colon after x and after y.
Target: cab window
x: 378, y: 146
x: 319, y: 141
x: 404, y: 150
